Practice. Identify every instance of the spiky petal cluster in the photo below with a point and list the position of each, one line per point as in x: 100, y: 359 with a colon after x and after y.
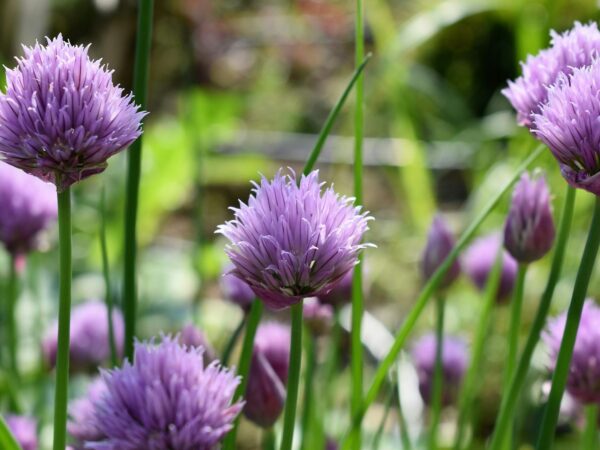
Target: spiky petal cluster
x: 236, y: 290
x: 575, y: 48
x: 455, y: 357
x: 568, y: 125
x: 267, y: 379
x: 529, y: 229
x: 167, y: 399
x: 62, y: 117
x: 28, y: 207
x: 440, y: 243
x: 583, y: 381
x: 479, y: 261
x: 24, y: 431
x: 294, y: 240
x: 82, y: 426
x: 192, y: 336
x: 89, y: 337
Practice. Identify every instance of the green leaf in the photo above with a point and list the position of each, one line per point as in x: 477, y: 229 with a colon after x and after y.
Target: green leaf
x: 7, y: 440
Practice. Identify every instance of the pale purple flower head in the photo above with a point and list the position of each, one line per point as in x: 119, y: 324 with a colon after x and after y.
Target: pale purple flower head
x: 294, y: 240
x: 479, y: 260
x: 62, y: 117
x: 89, y: 346
x: 28, y: 208
x: 267, y: 379
x: 82, y: 426
x: 575, y: 48
x: 529, y: 228
x: 318, y: 316
x: 583, y: 381
x: 236, y: 290
x: 167, y: 399
x: 568, y: 125
x: 440, y: 243
x: 455, y: 357
x: 192, y: 336
x: 24, y: 431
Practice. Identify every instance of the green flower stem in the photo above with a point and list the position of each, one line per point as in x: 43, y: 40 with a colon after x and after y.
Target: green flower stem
x: 384, y: 418
x: 134, y: 164
x: 404, y: 435
x: 309, y: 372
x: 511, y: 395
x: 438, y: 374
x: 7, y: 440
x: 431, y: 286
x: 108, y: 299
x: 293, y: 378
x: 472, y: 378
x: 232, y: 340
x: 590, y: 434
x: 11, y: 323
x: 244, y: 366
x: 561, y: 371
x: 268, y: 442
x: 64, y: 320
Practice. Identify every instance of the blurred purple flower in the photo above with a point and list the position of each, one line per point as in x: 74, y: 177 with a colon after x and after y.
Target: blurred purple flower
x: 24, y: 430
x: 479, y: 260
x: 28, y: 208
x: 294, y: 241
x: 89, y: 346
x: 317, y: 316
x: 568, y: 125
x: 529, y: 229
x: 236, y: 290
x: 61, y: 117
x: 167, y: 399
x: 191, y: 336
x: 575, y: 48
x: 455, y: 357
x: 583, y: 381
x: 265, y: 395
x: 82, y: 426
x: 440, y: 243
x: 341, y: 293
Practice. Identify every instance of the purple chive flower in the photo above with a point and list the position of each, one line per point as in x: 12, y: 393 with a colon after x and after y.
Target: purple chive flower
x: 440, y: 243
x: 236, y: 290
x: 82, y: 426
x: 341, y: 293
x: 167, y: 399
x: 529, y: 229
x: 61, y: 117
x: 89, y: 346
x: 293, y: 241
x: 583, y: 381
x: 568, y: 125
x: 24, y: 431
x: 191, y: 336
x: 455, y: 357
x: 575, y: 48
x: 28, y: 208
x: 479, y: 260
x: 265, y: 395
x: 317, y: 316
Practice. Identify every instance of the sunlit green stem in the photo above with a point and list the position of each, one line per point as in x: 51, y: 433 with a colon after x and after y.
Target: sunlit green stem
x: 590, y: 434
x: 108, y: 299
x: 64, y: 320
x: 309, y: 375
x: 11, y: 323
x: 511, y: 395
x: 438, y: 375
x: 561, y: 371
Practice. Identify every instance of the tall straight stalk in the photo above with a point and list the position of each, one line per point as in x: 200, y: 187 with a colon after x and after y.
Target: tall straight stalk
x: 64, y: 320
x: 438, y: 374
x: 309, y: 375
x: 134, y: 164
x: 590, y: 433
x: 511, y: 395
x: 108, y: 299
x: 561, y: 371
x: 291, y: 399
x: 11, y: 323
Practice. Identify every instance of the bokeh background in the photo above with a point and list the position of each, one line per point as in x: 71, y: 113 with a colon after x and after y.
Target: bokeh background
x: 242, y: 87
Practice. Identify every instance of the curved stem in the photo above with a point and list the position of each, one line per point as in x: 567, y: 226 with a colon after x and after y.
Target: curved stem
x: 64, y: 320
x: 11, y: 323
x: 561, y: 371
x: 590, y: 434
x: 232, y: 340
x: 107, y: 285
x: 511, y: 395
x: 438, y: 375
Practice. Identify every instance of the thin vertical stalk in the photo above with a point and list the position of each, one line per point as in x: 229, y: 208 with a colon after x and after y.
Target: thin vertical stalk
x: 291, y: 400
x: 64, y: 320
x: 438, y: 374
x: 134, y: 164
x: 268, y: 439
x: 244, y: 365
x: 309, y: 372
x: 561, y: 371
x: 11, y: 323
x: 590, y: 433
x: 384, y: 418
x: 232, y: 340
x: 108, y: 299
x: 511, y: 395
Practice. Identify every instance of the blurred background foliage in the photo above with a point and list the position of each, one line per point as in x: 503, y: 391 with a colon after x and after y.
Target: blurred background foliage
x: 241, y: 87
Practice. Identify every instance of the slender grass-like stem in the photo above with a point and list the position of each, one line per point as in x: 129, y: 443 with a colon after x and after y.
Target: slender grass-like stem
x: 291, y: 400
x: 590, y: 433
x: 64, y: 320
x: 244, y: 366
x: 469, y: 389
x: 561, y: 371
x: 134, y: 165
x: 511, y: 395
x: 108, y: 299
x: 384, y: 418
x: 232, y: 341
x: 7, y: 440
x: 11, y: 323
x: 438, y: 374
x: 268, y: 439
x: 404, y: 434
x: 309, y: 375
